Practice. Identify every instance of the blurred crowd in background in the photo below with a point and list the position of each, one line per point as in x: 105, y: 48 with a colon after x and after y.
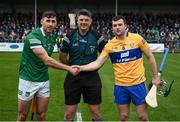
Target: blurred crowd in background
x: 153, y: 27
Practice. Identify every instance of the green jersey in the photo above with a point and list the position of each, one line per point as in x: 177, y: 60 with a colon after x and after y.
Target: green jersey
x: 82, y: 49
x: 31, y: 67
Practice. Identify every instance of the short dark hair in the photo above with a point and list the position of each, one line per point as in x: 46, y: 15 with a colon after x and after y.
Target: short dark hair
x: 49, y: 14
x: 118, y: 17
x: 84, y: 12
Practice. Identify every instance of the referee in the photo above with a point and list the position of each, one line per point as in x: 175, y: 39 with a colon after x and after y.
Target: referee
x: 82, y: 46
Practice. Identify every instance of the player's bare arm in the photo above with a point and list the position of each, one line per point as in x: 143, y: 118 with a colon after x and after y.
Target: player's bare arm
x: 156, y: 79
x: 94, y: 65
x: 42, y: 54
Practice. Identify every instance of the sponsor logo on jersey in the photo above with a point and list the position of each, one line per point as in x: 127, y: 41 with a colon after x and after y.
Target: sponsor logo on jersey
x: 125, y: 56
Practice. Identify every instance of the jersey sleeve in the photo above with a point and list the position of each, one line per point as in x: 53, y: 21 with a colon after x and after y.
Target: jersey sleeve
x: 101, y: 43
x: 65, y: 45
x: 106, y: 50
x: 143, y: 45
x: 34, y: 42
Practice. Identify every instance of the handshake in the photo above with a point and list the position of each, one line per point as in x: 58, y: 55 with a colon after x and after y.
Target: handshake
x: 75, y: 69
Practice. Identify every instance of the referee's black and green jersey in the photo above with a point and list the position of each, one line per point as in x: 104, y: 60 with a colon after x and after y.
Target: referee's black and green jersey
x: 82, y: 49
x: 31, y: 67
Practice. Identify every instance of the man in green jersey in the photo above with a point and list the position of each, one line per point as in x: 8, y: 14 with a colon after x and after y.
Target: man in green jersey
x: 33, y: 72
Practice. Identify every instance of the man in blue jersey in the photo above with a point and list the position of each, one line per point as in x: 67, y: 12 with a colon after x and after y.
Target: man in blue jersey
x: 82, y: 45
x: 33, y: 71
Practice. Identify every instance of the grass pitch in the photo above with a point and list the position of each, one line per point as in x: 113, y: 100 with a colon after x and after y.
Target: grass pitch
x: 168, y: 107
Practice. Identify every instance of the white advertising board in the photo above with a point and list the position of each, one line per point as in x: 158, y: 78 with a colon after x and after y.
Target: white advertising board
x: 157, y: 47
x: 18, y: 47
x: 15, y: 47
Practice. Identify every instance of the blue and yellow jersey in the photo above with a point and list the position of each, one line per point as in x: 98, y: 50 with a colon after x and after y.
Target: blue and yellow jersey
x: 127, y: 60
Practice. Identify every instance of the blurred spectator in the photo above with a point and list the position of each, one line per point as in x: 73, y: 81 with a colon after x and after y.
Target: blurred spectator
x: 157, y: 27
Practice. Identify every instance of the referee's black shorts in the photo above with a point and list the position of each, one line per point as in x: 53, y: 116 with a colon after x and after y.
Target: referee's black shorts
x: 87, y: 84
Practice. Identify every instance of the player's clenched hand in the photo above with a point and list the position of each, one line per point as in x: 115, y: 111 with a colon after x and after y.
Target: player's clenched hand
x: 156, y: 80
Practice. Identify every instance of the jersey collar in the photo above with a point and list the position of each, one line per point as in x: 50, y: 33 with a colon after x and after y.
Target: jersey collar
x: 83, y: 35
x: 42, y: 31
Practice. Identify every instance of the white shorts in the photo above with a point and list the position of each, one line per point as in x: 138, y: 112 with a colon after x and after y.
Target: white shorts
x: 27, y: 89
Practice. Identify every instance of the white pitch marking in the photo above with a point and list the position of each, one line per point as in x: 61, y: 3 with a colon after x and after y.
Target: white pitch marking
x: 79, y: 117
